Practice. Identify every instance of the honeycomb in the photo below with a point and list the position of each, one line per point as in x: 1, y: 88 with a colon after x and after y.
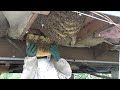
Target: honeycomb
x: 41, y: 41
x: 59, y: 26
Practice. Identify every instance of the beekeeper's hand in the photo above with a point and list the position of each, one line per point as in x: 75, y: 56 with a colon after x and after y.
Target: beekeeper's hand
x: 31, y: 49
x: 55, y: 52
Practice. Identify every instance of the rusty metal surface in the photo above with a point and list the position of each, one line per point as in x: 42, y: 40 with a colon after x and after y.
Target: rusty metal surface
x: 102, y: 49
x: 87, y: 54
x: 78, y: 54
x: 88, y: 19
x: 103, y: 68
x: 89, y: 42
x: 4, y: 69
x: 95, y: 26
x: 109, y: 56
x: 41, y: 12
x: 111, y: 34
x: 29, y: 24
x: 4, y: 25
x: 7, y: 50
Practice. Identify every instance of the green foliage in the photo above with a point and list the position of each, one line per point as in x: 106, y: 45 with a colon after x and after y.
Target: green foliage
x: 10, y: 76
x: 76, y: 76
x: 88, y: 76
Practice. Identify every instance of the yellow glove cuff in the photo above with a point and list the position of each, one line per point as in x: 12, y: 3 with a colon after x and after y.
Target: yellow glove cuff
x: 42, y: 53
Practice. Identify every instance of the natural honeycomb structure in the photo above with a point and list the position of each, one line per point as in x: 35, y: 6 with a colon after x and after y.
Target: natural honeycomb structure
x: 60, y: 26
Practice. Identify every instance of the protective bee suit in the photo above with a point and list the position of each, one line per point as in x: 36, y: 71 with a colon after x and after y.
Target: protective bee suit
x: 46, y: 68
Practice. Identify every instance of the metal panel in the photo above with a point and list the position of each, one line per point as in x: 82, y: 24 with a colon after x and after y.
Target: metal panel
x: 95, y: 26
x: 8, y: 50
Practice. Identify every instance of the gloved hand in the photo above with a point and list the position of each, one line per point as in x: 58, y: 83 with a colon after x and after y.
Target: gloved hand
x: 31, y: 50
x: 55, y: 52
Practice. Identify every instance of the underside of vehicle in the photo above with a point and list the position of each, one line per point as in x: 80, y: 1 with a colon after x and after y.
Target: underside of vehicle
x: 89, y: 45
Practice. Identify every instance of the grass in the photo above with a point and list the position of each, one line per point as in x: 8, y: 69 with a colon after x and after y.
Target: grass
x: 88, y: 76
x: 76, y: 76
x: 10, y: 76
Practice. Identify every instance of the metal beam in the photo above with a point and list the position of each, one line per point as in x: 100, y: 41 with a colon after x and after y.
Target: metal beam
x: 102, y: 49
x: 4, y: 69
x: 29, y: 24
x: 112, y: 35
x: 119, y: 65
x: 41, y: 12
x: 87, y: 54
x: 7, y: 50
x: 11, y: 59
x: 95, y: 26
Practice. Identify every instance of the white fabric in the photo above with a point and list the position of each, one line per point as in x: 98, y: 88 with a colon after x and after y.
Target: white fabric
x: 45, y: 69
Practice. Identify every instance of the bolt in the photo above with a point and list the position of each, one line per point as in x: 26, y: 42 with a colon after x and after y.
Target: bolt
x: 13, y: 56
x: 80, y: 14
x: 99, y: 35
x: 27, y: 32
x: 42, y: 25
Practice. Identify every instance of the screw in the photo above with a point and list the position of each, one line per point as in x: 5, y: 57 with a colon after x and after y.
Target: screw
x: 42, y: 25
x: 99, y: 35
x: 13, y: 56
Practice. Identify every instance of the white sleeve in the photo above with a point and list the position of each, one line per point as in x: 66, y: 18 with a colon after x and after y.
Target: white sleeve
x: 29, y: 68
x: 64, y: 69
